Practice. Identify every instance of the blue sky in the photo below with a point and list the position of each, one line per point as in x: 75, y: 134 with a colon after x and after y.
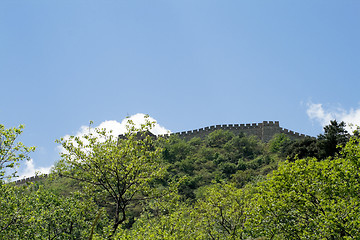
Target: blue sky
x: 188, y: 64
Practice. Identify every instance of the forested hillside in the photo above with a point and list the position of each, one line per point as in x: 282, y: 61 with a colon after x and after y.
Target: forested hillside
x: 224, y: 186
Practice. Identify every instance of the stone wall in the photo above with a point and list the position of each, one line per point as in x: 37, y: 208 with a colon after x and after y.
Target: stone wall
x: 264, y: 131
x: 30, y: 179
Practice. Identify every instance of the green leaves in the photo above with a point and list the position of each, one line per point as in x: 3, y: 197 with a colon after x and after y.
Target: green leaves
x: 223, y: 212
x: 117, y: 173
x: 308, y: 199
x: 28, y: 212
x: 212, y: 191
x: 11, y: 151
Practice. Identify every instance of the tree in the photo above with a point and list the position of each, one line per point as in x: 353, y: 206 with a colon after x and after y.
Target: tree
x: 28, y: 212
x: 10, y: 209
x: 278, y: 143
x: 11, y: 154
x: 11, y: 151
x: 218, y: 138
x: 117, y: 173
x: 166, y: 218
x: 243, y: 147
x: 325, y: 145
x: 334, y: 135
x: 311, y: 199
x: 301, y: 148
x: 222, y: 213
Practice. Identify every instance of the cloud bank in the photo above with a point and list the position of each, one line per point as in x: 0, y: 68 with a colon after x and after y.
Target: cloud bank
x: 317, y: 112
x: 118, y: 128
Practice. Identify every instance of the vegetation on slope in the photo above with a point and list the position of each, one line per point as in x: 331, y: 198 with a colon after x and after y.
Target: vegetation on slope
x: 221, y: 187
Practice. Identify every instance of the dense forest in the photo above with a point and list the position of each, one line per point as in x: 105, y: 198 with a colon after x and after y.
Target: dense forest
x: 224, y: 186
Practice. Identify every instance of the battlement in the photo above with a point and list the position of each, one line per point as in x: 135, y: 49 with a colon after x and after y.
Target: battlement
x: 30, y: 179
x: 264, y: 131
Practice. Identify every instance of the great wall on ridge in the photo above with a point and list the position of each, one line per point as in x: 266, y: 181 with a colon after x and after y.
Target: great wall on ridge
x: 264, y: 131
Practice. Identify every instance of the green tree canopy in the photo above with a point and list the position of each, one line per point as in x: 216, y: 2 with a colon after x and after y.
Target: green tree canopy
x: 334, y: 135
x: 117, y: 173
x: 11, y: 151
x: 311, y: 199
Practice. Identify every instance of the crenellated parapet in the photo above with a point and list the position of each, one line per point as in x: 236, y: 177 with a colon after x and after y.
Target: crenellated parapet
x: 30, y: 179
x: 264, y: 131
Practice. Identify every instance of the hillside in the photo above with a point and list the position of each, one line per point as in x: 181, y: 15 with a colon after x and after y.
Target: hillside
x: 225, y: 185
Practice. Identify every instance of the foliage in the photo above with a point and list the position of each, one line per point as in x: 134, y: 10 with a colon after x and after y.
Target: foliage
x: 303, y: 148
x: 11, y: 151
x: 278, y: 143
x: 308, y: 199
x: 325, y: 145
x: 60, y: 185
x: 140, y: 187
x: 221, y: 156
x: 172, y: 226
x: 116, y: 173
x: 166, y: 218
x: 218, y: 138
x: 28, y: 213
x: 222, y: 213
x: 10, y: 210
x: 335, y: 135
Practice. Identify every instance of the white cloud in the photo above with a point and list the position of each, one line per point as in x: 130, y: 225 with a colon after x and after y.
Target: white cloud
x: 138, y: 119
x: 30, y: 170
x: 317, y: 112
x: 118, y: 128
